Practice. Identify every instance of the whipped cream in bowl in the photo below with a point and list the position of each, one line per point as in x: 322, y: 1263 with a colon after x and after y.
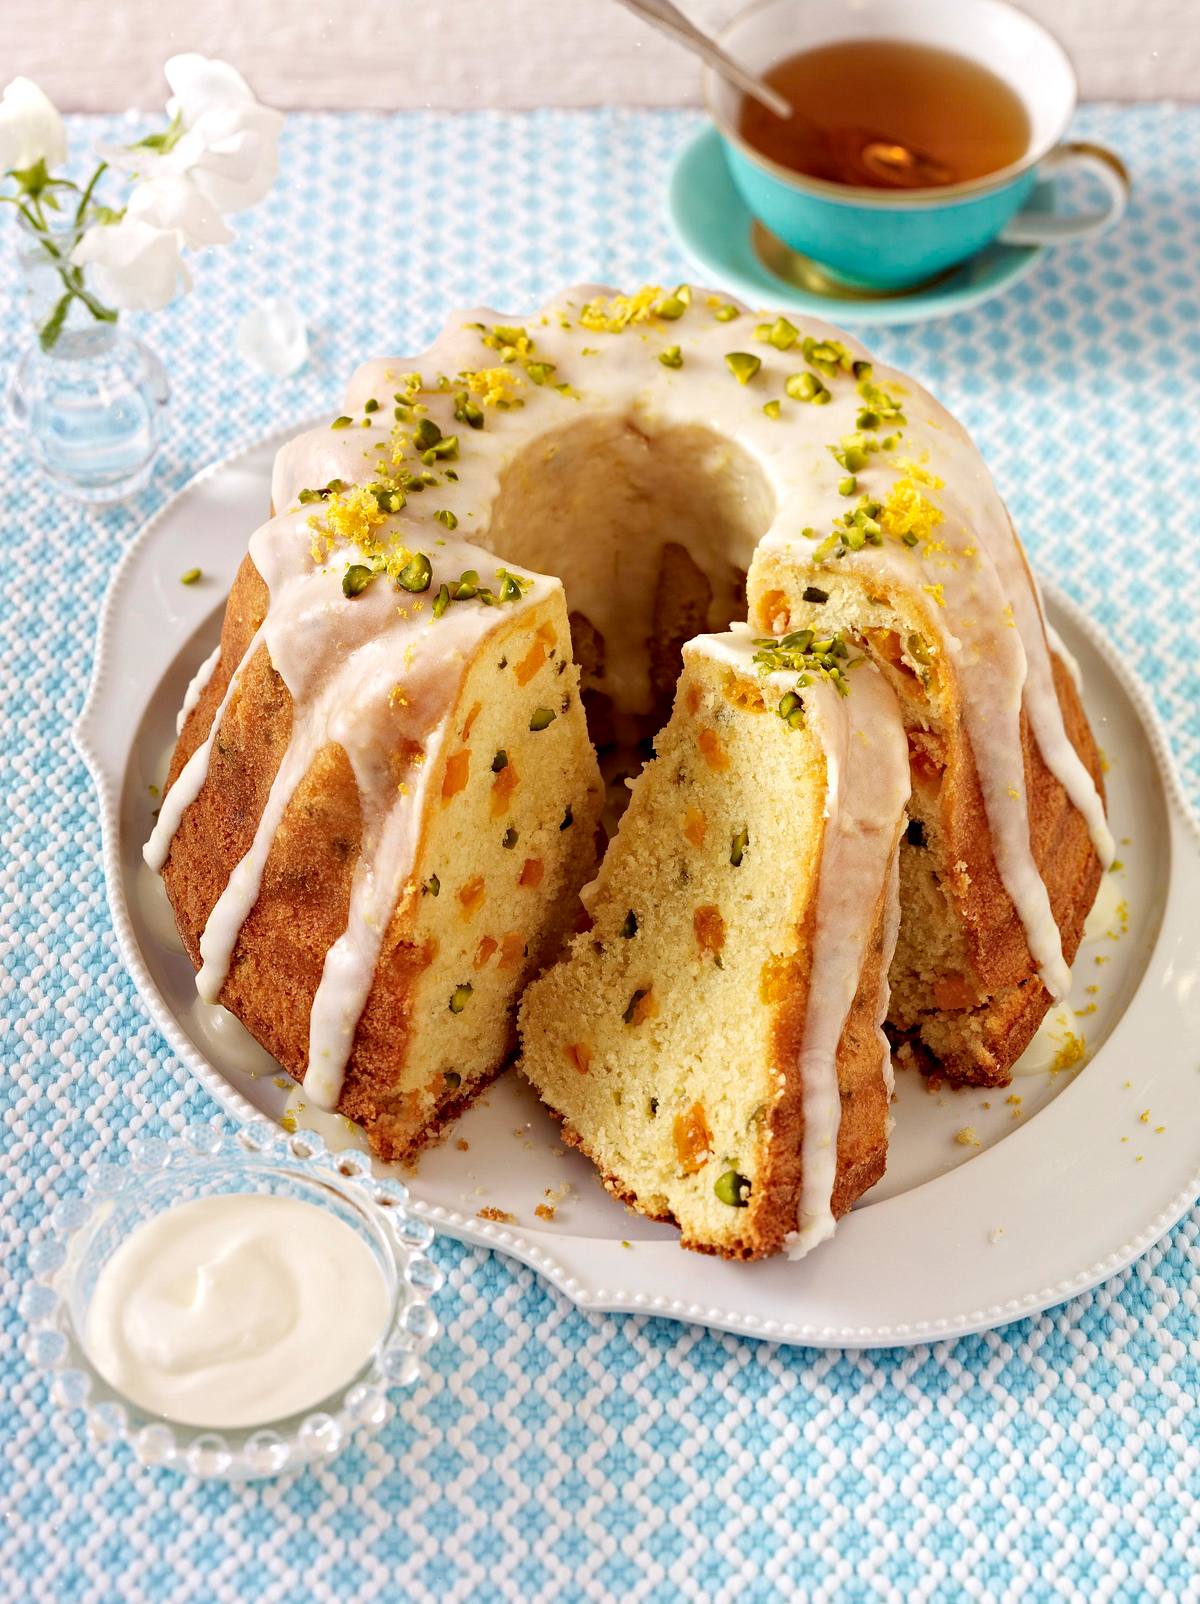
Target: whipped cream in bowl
x: 232, y: 1306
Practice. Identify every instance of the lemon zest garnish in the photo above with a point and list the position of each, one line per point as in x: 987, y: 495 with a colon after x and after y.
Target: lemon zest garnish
x: 493, y: 386
x: 610, y: 317
x: 938, y: 593
x: 1069, y: 1054
x: 906, y: 511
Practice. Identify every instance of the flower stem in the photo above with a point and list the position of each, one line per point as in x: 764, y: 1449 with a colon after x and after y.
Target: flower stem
x: 72, y: 276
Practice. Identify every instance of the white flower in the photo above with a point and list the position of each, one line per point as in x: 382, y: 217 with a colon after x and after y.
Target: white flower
x: 226, y: 143
x: 177, y: 203
x: 30, y: 128
x: 134, y: 265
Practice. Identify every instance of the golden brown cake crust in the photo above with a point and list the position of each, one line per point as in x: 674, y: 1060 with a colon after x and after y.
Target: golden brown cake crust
x: 979, y: 1045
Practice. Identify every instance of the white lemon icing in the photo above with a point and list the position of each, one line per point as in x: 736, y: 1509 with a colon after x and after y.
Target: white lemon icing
x: 196, y: 687
x: 775, y: 476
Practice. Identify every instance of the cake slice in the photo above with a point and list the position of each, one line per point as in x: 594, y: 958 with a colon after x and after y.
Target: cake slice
x: 966, y: 993
x: 369, y: 852
x: 713, y: 1041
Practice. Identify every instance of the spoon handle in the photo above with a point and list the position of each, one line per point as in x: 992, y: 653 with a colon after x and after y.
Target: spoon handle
x: 662, y: 14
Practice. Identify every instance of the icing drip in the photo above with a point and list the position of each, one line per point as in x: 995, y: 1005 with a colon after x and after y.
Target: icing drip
x: 891, y: 931
x: 866, y: 788
x: 191, y: 777
x: 197, y: 686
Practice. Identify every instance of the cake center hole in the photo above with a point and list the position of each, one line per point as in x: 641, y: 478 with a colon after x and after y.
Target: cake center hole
x: 651, y: 528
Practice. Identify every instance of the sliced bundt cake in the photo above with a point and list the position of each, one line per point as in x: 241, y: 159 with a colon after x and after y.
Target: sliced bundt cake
x: 713, y: 1040
x: 369, y: 852
x: 382, y: 804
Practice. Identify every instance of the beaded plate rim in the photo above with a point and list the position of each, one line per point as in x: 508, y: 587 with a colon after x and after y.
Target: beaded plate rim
x: 593, y: 1273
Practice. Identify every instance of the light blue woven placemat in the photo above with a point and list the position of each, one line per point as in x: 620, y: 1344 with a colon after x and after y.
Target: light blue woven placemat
x: 551, y: 1455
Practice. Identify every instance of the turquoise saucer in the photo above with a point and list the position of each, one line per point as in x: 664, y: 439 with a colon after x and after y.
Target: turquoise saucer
x: 731, y: 249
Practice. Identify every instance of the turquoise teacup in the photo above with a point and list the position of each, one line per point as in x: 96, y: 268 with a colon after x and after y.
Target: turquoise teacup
x: 876, y: 239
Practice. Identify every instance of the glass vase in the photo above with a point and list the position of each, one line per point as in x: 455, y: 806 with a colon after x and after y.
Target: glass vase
x: 92, y: 401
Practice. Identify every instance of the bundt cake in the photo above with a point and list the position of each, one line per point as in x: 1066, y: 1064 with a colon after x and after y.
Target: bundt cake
x: 713, y: 1041
x: 335, y: 839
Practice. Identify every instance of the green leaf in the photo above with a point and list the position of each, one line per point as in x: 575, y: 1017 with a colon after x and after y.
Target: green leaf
x: 32, y: 180
x: 53, y: 326
x: 167, y: 140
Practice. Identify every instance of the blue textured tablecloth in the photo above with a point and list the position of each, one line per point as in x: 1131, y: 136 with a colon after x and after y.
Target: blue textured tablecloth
x: 548, y: 1454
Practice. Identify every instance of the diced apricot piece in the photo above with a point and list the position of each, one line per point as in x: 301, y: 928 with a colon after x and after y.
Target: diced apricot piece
x: 485, y: 949
x: 643, y: 1005
x: 503, y: 787
x: 470, y: 720
x: 580, y: 1055
x: 471, y: 896
x: 693, y: 1139
x: 954, y: 991
x: 713, y: 753
x: 695, y: 826
x: 532, y: 871
x: 531, y: 662
x: 512, y: 949
x: 774, y: 609
x: 710, y: 929
x: 458, y: 771
x: 773, y: 979
x: 693, y: 699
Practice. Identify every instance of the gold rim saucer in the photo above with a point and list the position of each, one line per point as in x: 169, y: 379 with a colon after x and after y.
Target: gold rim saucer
x: 802, y: 273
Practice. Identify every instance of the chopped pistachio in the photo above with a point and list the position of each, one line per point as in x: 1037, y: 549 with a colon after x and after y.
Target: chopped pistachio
x: 672, y: 357
x: 813, y: 594
x: 341, y: 423
x: 356, y: 579
x: 432, y: 886
x: 417, y: 573
x: 733, y: 1189
x: 441, y: 601
x: 847, y: 486
x: 370, y: 404
x: 738, y: 845
x: 773, y: 408
x: 467, y: 587
x: 460, y: 996
x: 629, y: 928
x: 446, y: 518
x: 191, y: 577
x: 452, y: 1078
x: 781, y: 334
x: 743, y: 365
x: 791, y: 710
x: 509, y: 838
x: 539, y: 372
x: 500, y: 761
x: 806, y: 387
x: 542, y: 718
x: 671, y: 307
x: 726, y: 313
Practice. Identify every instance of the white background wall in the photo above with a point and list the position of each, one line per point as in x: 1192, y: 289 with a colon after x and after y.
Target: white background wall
x: 107, y: 54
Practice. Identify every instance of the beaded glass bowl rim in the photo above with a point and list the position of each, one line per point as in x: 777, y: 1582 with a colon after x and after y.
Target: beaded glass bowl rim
x: 55, y: 1347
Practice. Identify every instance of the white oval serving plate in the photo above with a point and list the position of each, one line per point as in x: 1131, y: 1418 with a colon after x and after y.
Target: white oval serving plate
x: 995, y: 1205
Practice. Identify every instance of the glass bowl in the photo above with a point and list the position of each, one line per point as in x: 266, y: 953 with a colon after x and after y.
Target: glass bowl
x: 201, y: 1162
